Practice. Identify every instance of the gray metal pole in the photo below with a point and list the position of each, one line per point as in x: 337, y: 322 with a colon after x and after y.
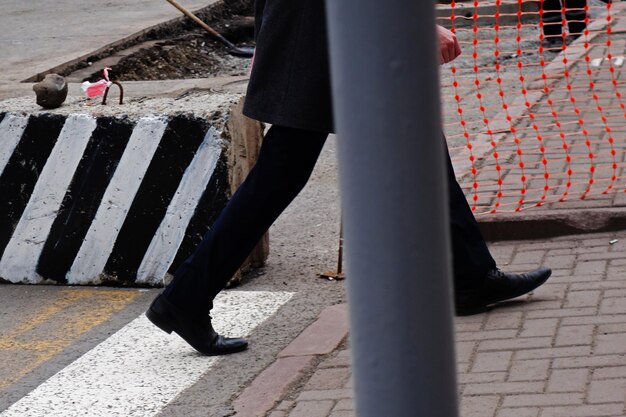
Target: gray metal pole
x: 386, y: 99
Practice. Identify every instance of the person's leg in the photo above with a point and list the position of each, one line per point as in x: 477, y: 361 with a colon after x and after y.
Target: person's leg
x: 478, y: 283
x: 575, y: 14
x: 285, y: 162
x: 471, y: 258
x: 552, y: 18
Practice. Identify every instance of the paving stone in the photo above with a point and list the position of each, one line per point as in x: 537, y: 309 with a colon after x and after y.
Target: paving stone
x: 595, y: 319
x: 497, y: 321
x: 518, y: 412
x: 590, y: 268
x: 312, y: 409
x: 575, y: 335
x: 478, y: 406
x: 621, y: 293
x: 529, y: 370
x: 598, y: 285
x: 271, y: 385
x: 323, y: 336
x: 610, y: 328
x: 602, y: 256
x: 599, y: 410
x: 529, y: 257
x: 610, y: 344
x: 568, y: 380
x: 622, y: 247
x: 539, y: 327
x: 336, y: 362
x: 571, y: 278
x: 609, y: 372
x: 588, y: 362
x: 342, y: 413
x: 502, y: 254
x: 331, y: 378
x: 582, y: 299
x: 285, y: 405
x: 504, y: 388
x: 492, y: 361
x: 350, y: 382
x: 485, y: 335
x: 537, y: 301
x: 464, y: 351
x: 515, y: 344
x: 343, y: 405
x: 560, y: 261
x: 613, y: 306
x: 570, y: 312
x: 553, y: 290
x: 563, y: 273
x: 540, y: 400
x: 328, y: 394
x: 554, y: 352
x: 607, y: 391
x: 345, y: 353
x: 469, y: 327
x: 477, y: 378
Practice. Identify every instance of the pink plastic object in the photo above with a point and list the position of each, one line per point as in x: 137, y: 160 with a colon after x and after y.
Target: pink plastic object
x: 98, y: 88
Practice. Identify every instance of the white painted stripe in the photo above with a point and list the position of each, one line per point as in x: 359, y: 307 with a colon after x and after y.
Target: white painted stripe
x: 11, y: 130
x: 117, y: 199
x: 171, y: 232
x: 19, y: 262
x: 140, y: 369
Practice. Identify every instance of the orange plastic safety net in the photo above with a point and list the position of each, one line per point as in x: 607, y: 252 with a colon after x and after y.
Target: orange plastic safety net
x: 534, y: 111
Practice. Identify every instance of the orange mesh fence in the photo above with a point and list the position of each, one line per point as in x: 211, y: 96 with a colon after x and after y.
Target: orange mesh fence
x: 534, y: 112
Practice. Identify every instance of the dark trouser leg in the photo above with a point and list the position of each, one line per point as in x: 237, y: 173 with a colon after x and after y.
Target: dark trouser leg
x: 575, y: 14
x: 285, y: 163
x: 471, y: 258
x: 552, y: 18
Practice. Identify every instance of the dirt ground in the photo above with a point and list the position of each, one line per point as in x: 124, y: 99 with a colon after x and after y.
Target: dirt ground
x: 180, y: 49
x: 193, y: 55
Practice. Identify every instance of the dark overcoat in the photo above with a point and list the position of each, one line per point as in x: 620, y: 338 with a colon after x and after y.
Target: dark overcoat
x: 290, y: 79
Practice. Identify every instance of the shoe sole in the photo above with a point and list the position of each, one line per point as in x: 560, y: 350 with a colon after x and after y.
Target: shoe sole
x: 470, y: 311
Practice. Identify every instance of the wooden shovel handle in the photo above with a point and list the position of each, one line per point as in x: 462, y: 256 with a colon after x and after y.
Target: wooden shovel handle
x: 194, y: 18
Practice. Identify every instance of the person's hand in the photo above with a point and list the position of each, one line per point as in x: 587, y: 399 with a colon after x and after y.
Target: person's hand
x: 449, y: 47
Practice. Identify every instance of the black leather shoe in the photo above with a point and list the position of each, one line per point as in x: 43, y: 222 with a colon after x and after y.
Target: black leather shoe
x: 195, y: 330
x: 498, y: 286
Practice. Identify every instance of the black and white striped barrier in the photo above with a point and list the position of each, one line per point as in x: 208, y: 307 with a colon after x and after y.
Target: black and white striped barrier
x: 106, y: 200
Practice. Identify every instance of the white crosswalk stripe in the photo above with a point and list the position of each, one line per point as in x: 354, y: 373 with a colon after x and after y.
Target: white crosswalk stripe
x: 140, y: 369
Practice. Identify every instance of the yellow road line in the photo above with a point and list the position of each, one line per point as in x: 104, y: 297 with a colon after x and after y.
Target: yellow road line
x: 46, y: 332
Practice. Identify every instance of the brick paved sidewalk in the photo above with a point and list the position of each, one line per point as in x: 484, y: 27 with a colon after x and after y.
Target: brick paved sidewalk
x: 560, y: 352
x: 565, y: 126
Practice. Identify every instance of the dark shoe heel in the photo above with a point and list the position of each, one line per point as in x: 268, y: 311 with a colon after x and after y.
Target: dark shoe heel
x: 158, y: 321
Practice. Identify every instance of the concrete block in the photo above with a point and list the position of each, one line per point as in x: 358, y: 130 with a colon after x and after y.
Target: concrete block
x: 117, y: 195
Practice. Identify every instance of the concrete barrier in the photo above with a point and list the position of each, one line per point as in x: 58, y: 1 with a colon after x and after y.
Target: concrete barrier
x: 102, y: 199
